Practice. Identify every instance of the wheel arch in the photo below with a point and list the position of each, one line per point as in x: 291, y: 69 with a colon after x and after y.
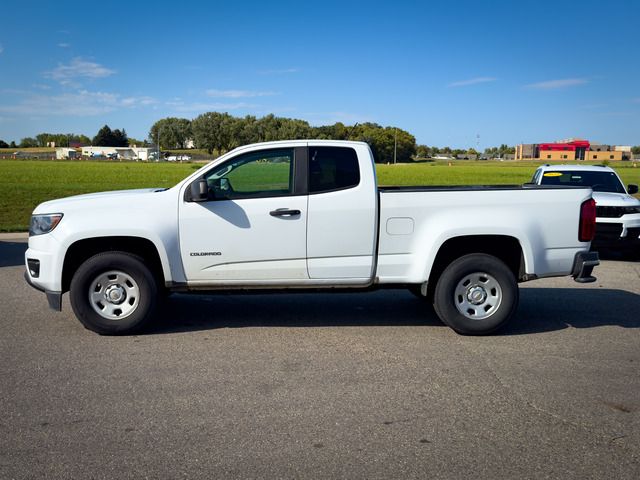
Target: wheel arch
x: 81, y: 250
x: 504, y: 247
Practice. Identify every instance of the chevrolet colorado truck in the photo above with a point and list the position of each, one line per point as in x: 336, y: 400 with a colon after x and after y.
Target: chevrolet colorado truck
x: 307, y: 215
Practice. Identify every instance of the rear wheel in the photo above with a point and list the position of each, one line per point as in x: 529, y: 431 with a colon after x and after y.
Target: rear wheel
x: 476, y: 294
x: 113, y: 293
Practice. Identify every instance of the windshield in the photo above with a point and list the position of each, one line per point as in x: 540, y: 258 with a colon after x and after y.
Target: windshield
x: 599, y: 181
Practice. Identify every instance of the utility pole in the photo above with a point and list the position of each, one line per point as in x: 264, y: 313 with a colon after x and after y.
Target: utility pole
x: 395, y: 144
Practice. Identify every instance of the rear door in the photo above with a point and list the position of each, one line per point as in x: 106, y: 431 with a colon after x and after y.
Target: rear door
x: 342, y: 214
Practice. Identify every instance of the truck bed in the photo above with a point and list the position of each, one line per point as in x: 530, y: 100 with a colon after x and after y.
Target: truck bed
x: 455, y: 188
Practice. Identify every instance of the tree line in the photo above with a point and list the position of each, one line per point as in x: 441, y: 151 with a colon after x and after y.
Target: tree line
x: 220, y: 132
x: 105, y: 137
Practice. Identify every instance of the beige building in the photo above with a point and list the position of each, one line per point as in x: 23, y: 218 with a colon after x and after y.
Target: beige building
x: 572, y: 150
x: 555, y: 155
x: 601, y: 156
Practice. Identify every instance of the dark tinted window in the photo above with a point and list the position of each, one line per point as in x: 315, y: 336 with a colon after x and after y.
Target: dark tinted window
x: 332, y: 168
x: 599, y: 181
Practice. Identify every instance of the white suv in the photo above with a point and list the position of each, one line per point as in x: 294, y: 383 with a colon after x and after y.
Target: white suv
x: 617, y: 212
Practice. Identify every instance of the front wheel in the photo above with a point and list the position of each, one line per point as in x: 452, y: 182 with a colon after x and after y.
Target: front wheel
x: 476, y: 294
x: 113, y: 293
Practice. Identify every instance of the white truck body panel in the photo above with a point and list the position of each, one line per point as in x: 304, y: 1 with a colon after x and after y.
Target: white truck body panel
x: 538, y: 222
x: 257, y: 246
x: 331, y: 253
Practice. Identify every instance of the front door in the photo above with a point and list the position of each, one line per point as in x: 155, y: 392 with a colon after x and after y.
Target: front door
x: 253, y: 228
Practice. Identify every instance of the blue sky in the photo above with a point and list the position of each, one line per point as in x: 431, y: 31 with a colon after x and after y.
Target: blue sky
x: 446, y: 71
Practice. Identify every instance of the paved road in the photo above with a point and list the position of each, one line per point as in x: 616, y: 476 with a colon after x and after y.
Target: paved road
x: 314, y: 386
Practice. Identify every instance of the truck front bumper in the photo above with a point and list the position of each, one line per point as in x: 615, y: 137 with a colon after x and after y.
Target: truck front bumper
x: 54, y: 298
x: 583, y: 266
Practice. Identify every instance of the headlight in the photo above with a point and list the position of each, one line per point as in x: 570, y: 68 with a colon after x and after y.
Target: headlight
x: 631, y: 210
x: 44, y: 223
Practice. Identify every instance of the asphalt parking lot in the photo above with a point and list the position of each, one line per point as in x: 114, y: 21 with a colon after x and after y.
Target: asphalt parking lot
x: 366, y: 385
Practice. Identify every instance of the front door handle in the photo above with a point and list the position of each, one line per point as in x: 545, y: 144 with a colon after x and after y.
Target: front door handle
x: 284, y: 212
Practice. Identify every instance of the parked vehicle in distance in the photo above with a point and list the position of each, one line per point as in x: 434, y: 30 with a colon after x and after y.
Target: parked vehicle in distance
x: 617, y: 212
x: 307, y: 214
x: 178, y: 158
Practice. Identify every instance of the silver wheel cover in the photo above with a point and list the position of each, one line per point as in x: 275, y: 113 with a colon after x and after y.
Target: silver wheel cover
x: 478, y: 296
x: 114, y: 295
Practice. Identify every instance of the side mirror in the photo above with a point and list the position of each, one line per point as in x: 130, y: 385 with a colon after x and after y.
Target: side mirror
x: 632, y: 189
x: 199, y: 191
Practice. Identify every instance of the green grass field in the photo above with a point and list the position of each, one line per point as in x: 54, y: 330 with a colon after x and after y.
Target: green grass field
x: 26, y: 183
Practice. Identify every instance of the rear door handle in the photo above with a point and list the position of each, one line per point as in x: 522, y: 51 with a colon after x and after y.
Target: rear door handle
x: 284, y: 212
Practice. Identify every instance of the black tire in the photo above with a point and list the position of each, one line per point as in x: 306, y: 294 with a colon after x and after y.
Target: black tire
x: 489, y: 299
x: 135, y: 288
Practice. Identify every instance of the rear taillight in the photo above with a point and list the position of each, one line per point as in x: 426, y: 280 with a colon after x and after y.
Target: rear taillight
x: 587, y: 220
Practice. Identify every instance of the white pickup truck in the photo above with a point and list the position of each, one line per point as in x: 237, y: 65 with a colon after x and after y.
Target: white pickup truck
x: 307, y: 215
x: 617, y: 212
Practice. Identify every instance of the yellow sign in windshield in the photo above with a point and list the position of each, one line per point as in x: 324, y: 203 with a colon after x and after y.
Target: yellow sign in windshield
x: 553, y: 174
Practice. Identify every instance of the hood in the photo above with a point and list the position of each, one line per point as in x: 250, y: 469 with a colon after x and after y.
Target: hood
x: 61, y: 205
x: 607, y: 199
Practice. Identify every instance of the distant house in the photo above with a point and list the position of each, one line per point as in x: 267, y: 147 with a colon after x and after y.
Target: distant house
x: 467, y: 156
x: 443, y: 156
x: 126, y: 153
x: 63, y: 153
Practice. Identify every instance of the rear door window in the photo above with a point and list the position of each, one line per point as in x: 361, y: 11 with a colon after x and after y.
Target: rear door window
x: 332, y: 168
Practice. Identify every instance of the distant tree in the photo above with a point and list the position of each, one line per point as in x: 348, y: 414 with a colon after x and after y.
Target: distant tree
x: 120, y: 138
x: 293, y: 129
x: 81, y: 139
x: 174, y: 132
x: 385, y: 140
x: 491, y: 152
x: 110, y: 138
x: 42, y: 139
x: 247, y: 130
x: 635, y: 150
x: 207, y: 131
x: 13, y: 144
x: 337, y: 131
x: 104, y: 137
x: 138, y: 143
x: 505, y: 149
x: 3, y: 144
x: 422, y: 151
x: 28, y: 142
x: 220, y: 132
